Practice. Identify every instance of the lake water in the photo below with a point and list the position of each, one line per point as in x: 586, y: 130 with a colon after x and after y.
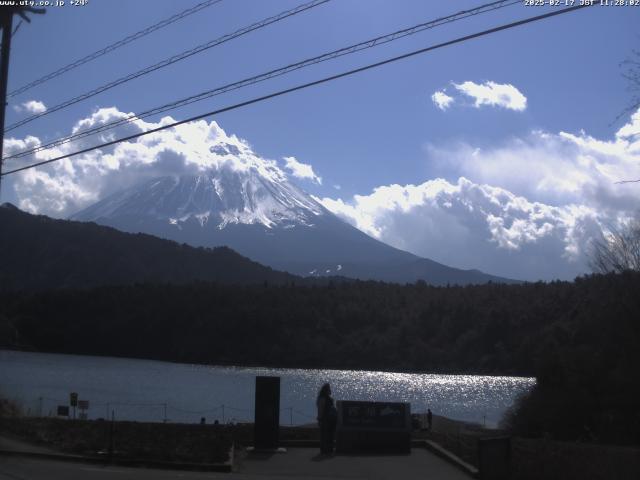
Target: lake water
x: 150, y: 390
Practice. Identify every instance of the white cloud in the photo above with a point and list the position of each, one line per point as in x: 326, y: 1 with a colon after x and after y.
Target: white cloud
x: 16, y: 145
x: 526, y: 208
x: 441, y: 100
x: 31, y: 106
x: 556, y: 192
x: 555, y: 168
x: 470, y: 225
x: 494, y: 94
x: 301, y: 170
x: 64, y: 187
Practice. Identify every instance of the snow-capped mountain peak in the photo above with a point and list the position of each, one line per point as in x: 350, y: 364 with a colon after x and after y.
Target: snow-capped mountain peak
x: 220, y: 195
x: 210, y: 189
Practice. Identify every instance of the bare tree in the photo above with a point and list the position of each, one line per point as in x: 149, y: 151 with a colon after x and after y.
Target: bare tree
x: 632, y: 74
x: 618, y: 250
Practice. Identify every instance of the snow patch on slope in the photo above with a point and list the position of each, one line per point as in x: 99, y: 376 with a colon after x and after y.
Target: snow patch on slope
x: 221, y: 195
x: 195, y: 149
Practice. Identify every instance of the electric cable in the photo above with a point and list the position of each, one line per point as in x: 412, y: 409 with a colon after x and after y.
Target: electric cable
x: 308, y: 85
x: 371, y: 43
x: 110, y: 48
x: 171, y: 60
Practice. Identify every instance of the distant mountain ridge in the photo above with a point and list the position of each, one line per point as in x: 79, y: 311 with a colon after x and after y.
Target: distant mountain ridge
x: 260, y: 214
x: 38, y: 252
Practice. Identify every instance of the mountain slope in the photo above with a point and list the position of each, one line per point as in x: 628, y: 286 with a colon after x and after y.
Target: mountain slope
x: 266, y: 218
x: 37, y: 252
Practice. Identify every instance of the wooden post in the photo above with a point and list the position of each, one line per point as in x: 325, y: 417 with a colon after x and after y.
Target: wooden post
x: 111, y: 434
x: 6, y: 22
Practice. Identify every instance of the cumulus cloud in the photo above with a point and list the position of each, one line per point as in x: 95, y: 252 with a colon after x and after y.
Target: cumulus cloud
x: 31, y: 106
x: 493, y: 94
x: 526, y: 208
x: 556, y: 193
x: 555, y: 168
x: 483, y: 94
x: 470, y: 225
x: 441, y: 99
x: 301, y: 170
x: 64, y: 187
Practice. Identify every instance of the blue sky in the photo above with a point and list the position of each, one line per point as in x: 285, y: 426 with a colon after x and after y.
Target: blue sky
x: 375, y: 129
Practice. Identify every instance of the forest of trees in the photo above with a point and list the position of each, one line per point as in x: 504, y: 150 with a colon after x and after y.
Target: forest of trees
x: 580, y: 339
x: 40, y: 253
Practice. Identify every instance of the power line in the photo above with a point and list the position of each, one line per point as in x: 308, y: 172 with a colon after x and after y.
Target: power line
x: 171, y: 60
x: 308, y: 85
x: 371, y: 43
x: 275, y: 73
x: 110, y: 48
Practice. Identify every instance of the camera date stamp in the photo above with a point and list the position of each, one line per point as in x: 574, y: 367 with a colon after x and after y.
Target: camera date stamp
x: 587, y: 3
x: 46, y: 3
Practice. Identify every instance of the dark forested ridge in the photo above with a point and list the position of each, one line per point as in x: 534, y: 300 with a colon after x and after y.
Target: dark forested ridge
x: 502, y: 329
x: 580, y: 339
x: 38, y: 252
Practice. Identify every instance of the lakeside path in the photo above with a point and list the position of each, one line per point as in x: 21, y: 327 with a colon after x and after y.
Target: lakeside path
x: 297, y: 463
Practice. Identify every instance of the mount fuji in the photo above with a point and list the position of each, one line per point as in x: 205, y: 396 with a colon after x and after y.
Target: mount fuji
x: 257, y: 211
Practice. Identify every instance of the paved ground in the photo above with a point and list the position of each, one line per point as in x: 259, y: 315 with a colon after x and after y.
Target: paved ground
x: 307, y: 463
x: 297, y: 463
x: 16, y: 468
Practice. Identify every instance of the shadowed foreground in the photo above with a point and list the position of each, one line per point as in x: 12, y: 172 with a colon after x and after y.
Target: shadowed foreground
x: 297, y: 463
x: 308, y: 463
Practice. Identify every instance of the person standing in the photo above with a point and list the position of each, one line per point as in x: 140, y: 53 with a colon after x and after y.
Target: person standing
x: 429, y: 418
x: 327, y: 419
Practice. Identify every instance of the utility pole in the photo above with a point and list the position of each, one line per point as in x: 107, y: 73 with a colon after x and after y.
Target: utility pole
x: 7, y: 25
x: 6, y: 22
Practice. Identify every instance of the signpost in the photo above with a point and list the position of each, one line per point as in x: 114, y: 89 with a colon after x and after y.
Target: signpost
x: 373, y: 426
x: 63, y: 410
x: 83, y: 405
x: 73, y: 401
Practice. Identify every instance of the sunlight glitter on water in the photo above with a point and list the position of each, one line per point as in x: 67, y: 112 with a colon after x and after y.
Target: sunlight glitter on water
x: 481, y: 399
x: 148, y: 390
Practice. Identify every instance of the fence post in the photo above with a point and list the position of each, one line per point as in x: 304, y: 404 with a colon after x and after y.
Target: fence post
x: 111, y: 434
